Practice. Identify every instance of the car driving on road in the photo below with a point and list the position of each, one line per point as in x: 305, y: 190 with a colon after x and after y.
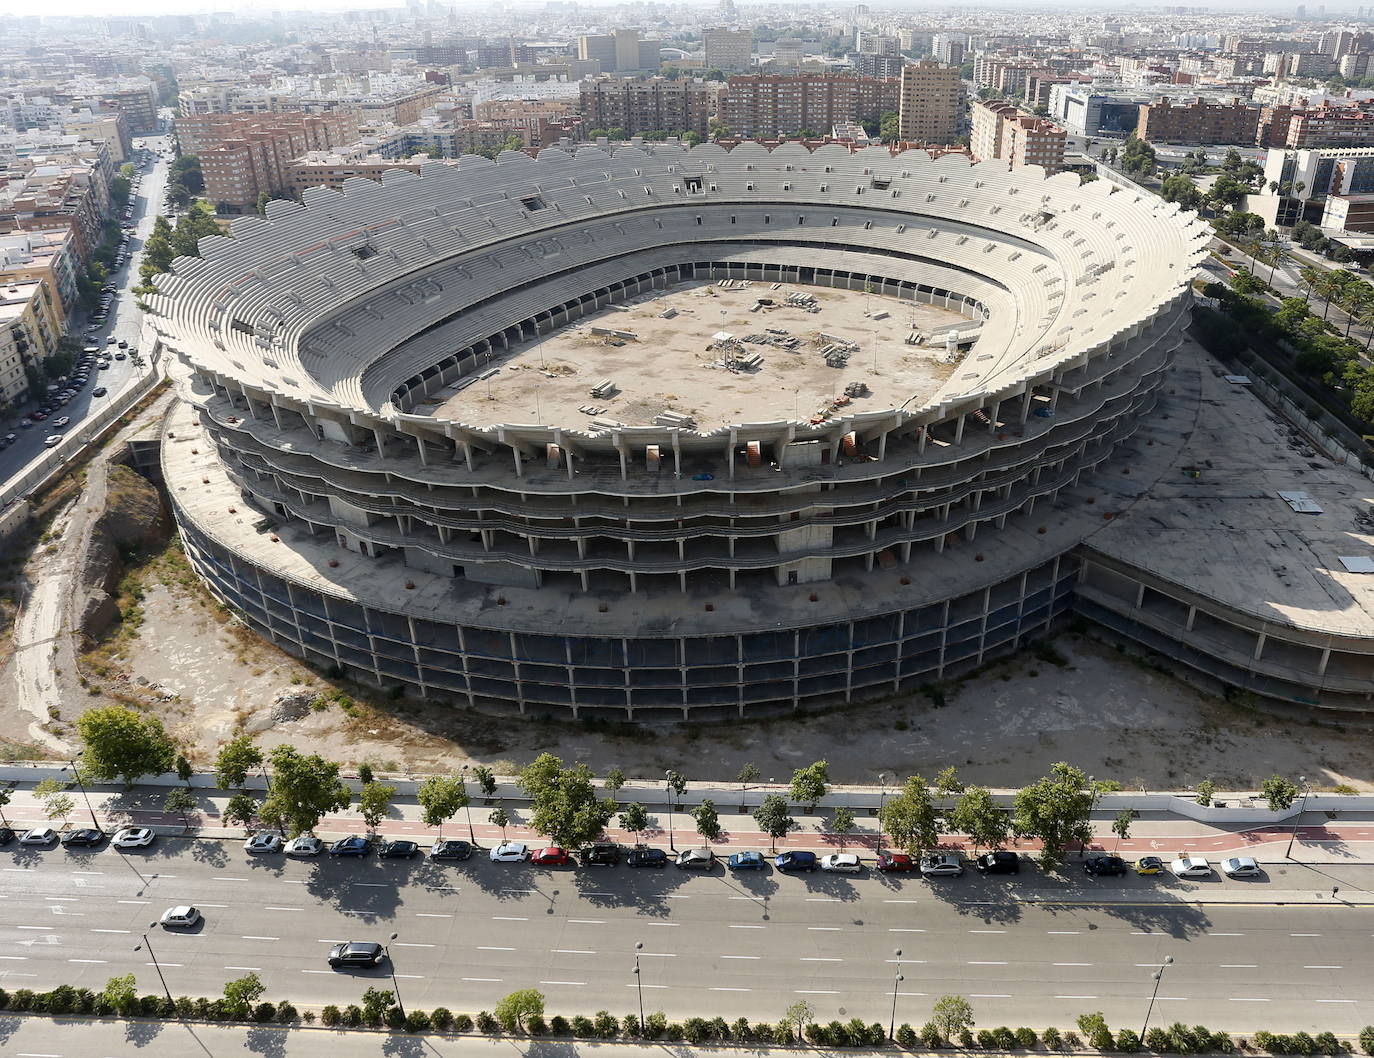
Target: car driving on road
x: 356, y: 953
x: 181, y: 917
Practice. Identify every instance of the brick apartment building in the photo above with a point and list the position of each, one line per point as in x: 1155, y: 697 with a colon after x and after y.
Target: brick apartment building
x: 245, y: 155
x: 1001, y: 132
x: 930, y: 102
x: 769, y: 105
x: 1325, y: 126
x: 1199, y: 123
x: 651, y: 104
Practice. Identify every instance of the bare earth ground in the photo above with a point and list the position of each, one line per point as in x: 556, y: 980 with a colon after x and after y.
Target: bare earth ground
x: 187, y: 661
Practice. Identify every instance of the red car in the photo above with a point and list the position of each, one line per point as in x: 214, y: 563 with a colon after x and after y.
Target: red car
x: 895, y: 861
x: 553, y: 856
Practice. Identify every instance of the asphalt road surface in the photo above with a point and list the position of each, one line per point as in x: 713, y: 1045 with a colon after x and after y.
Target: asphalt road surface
x: 748, y: 945
x: 124, y: 322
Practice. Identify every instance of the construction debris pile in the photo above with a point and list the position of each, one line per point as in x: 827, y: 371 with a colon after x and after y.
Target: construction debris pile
x: 799, y: 300
x: 837, y: 350
x: 732, y: 354
x: 774, y: 336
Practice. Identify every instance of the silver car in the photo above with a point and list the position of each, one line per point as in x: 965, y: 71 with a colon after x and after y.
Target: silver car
x: 305, y: 845
x: 841, y: 863
x: 942, y: 865
x: 1240, y: 867
x: 181, y: 917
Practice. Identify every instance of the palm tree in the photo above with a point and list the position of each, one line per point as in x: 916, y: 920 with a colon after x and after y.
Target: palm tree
x: 1254, y: 248
x: 1273, y: 187
x: 1278, y: 254
x: 1355, y: 299
x: 1312, y: 277
x: 1367, y: 321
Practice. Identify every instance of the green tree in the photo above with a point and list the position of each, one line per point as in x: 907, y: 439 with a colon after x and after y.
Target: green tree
x: 181, y: 801
x: 498, y: 818
x: 1057, y: 809
x: 304, y: 788
x: 120, y: 993
x: 952, y: 1014
x: 523, y: 1003
x: 634, y: 819
x: 889, y: 126
x: 122, y: 744
x: 615, y: 779
x: 842, y: 823
x: 242, y: 993
x: 707, y: 820
x: 978, y: 815
x: 692, y: 138
x: 677, y: 784
x: 748, y: 773
x: 810, y: 784
x: 910, y: 818
x: 6, y: 794
x: 263, y: 199
x: 485, y: 779
x: 235, y: 760
x: 1206, y: 790
x: 374, y: 802
x: 376, y: 1003
x: 773, y: 819
x: 1121, y: 825
x: 1279, y: 793
x: 563, y: 801
x: 440, y: 797
x: 947, y: 783
x: 57, y: 803
x: 242, y: 808
x: 365, y: 775
x: 801, y: 1014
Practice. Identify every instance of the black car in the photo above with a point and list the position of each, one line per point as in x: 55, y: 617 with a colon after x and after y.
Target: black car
x: 1105, y: 865
x: 352, y: 845
x: 999, y: 863
x: 398, y: 850
x: 6, y: 835
x: 450, y: 850
x: 602, y: 854
x: 85, y: 838
x: 356, y: 953
x: 643, y: 856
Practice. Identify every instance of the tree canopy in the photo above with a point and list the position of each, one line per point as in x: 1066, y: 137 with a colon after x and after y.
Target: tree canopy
x: 1057, y: 809
x: 120, y: 743
x: 440, y: 797
x: 910, y: 818
x: 563, y: 801
x: 810, y: 784
x: 304, y: 788
x: 235, y: 760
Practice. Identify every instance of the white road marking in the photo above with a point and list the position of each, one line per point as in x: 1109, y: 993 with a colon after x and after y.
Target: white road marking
x: 111, y: 931
x: 822, y: 899
x: 250, y: 969
x: 989, y: 995
x: 424, y: 914
x: 1226, y: 934
x: 17, y: 958
x: 488, y: 947
x: 900, y: 929
x: 985, y: 962
x: 225, y: 878
x: 1244, y: 999
x: 132, y: 901
x: 405, y: 944
x: 374, y: 885
x: 179, y: 965
x: 826, y: 929
x: 730, y: 989
x: 93, y: 961
x: 901, y: 901
x: 813, y: 992
x: 258, y: 938
x: 413, y: 977
x: 1064, y: 932
x: 484, y: 980
x: 1335, y: 1000
x: 733, y: 926
x: 660, y: 954
x: 519, y: 890
x: 587, y: 921
x: 818, y: 958
x: 1075, y: 997
x: 317, y: 971
x: 270, y: 908
x: 508, y: 918
x: 1304, y: 934
x: 43, y: 928
x: 571, y: 984
x: 198, y: 904
x: 987, y: 931
x: 37, y: 1054
x: 1323, y: 967
x: 754, y: 898
x: 674, y: 924
x: 741, y: 956
x: 572, y: 951
x: 1072, y: 964
x: 88, y: 872
x: 1239, y: 966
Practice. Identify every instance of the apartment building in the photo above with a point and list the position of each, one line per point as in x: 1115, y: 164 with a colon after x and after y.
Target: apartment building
x: 866, y: 65
x: 36, y: 198
x: 870, y: 43
x: 645, y: 105
x: 331, y: 169
x: 44, y: 255
x: 30, y: 330
x: 622, y: 50
x: 1198, y: 123
x: 785, y: 104
x: 1319, y: 126
x: 999, y: 131
x: 929, y: 102
x: 243, y: 156
x: 728, y: 49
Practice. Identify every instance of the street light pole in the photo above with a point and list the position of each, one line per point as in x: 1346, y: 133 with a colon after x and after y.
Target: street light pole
x: 391, y: 965
x: 1306, y: 789
x: 639, y: 985
x: 467, y: 807
x: 85, y: 796
x: 156, y: 966
x: 896, y: 987
x: 1157, y: 975
x: 668, y: 785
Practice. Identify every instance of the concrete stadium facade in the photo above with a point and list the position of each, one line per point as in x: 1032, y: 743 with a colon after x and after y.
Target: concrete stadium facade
x: 649, y: 571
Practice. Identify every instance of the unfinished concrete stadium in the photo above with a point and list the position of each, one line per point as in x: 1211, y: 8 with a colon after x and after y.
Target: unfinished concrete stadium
x: 672, y: 433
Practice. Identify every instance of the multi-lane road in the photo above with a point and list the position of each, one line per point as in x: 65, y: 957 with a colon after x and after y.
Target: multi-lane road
x: 1030, y: 949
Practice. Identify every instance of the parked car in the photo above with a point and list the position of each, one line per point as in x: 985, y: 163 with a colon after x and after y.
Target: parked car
x: 895, y: 862
x: 1105, y: 865
x: 182, y: 916
x: 450, y: 850
x: 52, y: 440
x: 696, y: 860
x: 1191, y: 867
x: 601, y: 854
x: 6, y: 835
x: 356, y: 953
x: 83, y: 838
x: 746, y: 861
x: 999, y: 862
x: 510, y: 852
x: 1149, y: 865
x: 132, y: 838
x: 1240, y: 867
x: 791, y: 862
x: 353, y: 845
x: 552, y: 856
x: 263, y: 841
x: 62, y: 421
x: 39, y: 836
x: 644, y: 856
x: 942, y: 865
x: 841, y: 863
x: 397, y: 850
x: 99, y: 391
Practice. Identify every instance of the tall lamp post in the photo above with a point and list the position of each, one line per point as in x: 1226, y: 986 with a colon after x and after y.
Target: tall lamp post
x: 1297, y: 819
x: 467, y: 807
x: 391, y: 965
x: 639, y: 985
x: 897, y: 980
x: 1157, y: 975
x: 156, y: 966
x: 79, y: 782
x: 668, y: 785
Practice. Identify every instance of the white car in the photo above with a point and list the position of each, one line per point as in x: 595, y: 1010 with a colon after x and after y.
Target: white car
x: 305, y: 845
x: 510, y: 852
x: 132, y: 838
x: 1240, y: 867
x: 841, y: 863
x: 263, y: 841
x: 942, y: 865
x: 1191, y: 867
x: 182, y: 917
x: 39, y: 836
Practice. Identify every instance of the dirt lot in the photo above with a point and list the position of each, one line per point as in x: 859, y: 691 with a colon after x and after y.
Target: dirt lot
x: 1114, y: 716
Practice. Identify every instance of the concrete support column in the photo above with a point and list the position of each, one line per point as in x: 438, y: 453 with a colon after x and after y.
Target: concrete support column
x: 276, y: 415
x: 1026, y: 404
x: 1259, y: 646
x: 922, y: 433
x: 1192, y: 613
x: 624, y: 466
x: 423, y: 450
x: 466, y: 449
x: 381, y: 441
x: 1326, y: 656
x: 1140, y: 596
x: 519, y: 467
x: 959, y: 430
